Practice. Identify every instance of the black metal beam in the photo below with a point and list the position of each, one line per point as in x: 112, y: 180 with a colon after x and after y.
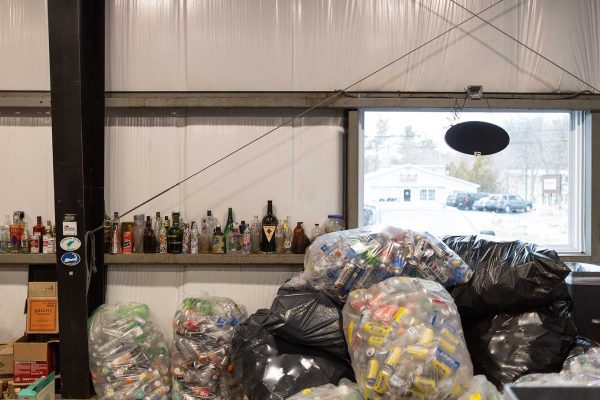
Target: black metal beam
x: 76, y: 37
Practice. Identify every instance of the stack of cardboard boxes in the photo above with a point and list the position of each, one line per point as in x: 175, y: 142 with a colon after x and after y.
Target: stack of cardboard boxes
x: 30, y: 357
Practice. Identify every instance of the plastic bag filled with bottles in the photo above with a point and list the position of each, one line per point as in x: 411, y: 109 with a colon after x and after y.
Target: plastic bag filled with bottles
x: 200, y: 355
x: 346, y: 390
x: 405, y: 340
x: 583, y: 370
x: 128, y: 355
x: 347, y: 260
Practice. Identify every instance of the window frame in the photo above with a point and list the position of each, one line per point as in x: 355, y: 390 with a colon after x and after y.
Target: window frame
x: 588, y: 143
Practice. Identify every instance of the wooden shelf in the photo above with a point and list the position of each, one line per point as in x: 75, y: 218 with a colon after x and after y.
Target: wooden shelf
x: 27, y: 258
x: 206, y: 259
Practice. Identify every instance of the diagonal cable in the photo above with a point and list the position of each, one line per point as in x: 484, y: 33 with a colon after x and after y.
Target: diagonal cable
x: 524, y: 45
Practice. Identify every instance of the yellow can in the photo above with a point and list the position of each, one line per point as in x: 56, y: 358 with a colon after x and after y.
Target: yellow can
x: 425, y: 385
x: 382, y: 382
x: 375, y: 329
x: 350, y: 331
x: 427, y: 336
x: 393, y: 357
x: 448, y: 342
x: 375, y: 341
x: 399, y: 314
x: 372, y: 370
x: 417, y: 352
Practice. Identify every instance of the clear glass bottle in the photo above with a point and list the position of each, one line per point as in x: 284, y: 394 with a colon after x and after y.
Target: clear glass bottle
x: 175, y: 236
x: 107, y: 231
x: 15, y: 233
x: 315, y: 232
x: 25, y: 239
x: 269, y: 225
x: 115, y: 236
x: 157, y: 226
x: 255, y: 234
x: 194, y: 237
x: 287, y: 235
x: 162, y: 237
x: 218, y: 241
x: 5, y: 235
x: 279, y: 239
x: 138, y: 233
x: 246, y: 238
x: 187, y: 238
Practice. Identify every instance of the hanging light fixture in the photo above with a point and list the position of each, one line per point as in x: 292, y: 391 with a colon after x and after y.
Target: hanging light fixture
x: 476, y: 138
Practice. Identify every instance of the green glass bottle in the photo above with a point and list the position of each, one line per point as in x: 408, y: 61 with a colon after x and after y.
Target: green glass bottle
x: 175, y: 236
x: 228, y: 229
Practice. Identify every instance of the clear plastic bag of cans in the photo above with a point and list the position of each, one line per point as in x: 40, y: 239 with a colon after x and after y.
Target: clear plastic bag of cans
x: 340, y: 262
x: 480, y: 389
x: 405, y: 341
x: 201, y: 352
x: 128, y: 355
x: 346, y: 390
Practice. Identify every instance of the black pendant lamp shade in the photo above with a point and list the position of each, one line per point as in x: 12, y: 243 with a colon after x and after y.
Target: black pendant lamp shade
x: 477, y: 138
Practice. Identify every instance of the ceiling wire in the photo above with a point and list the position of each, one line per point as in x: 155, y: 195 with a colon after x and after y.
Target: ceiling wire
x: 524, y: 45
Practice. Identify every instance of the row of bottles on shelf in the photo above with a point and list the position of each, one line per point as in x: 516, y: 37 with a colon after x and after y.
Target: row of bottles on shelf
x: 164, y: 236
x: 15, y: 236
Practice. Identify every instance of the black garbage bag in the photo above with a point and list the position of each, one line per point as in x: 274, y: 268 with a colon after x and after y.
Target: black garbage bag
x: 509, y: 276
x: 308, y: 318
x: 507, y: 346
x: 274, y: 369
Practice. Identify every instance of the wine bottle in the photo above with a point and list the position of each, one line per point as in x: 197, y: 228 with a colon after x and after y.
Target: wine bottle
x: 175, y: 236
x: 299, y: 242
x: 227, y: 232
x: 269, y: 225
x: 149, y: 243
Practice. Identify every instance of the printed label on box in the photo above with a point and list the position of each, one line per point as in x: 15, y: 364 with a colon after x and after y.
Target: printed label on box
x: 41, y: 315
x: 29, y: 371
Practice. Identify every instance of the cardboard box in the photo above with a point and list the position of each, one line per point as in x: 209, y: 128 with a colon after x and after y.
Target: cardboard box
x: 6, y: 358
x: 42, y: 315
x: 31, y: 361
x: 42, y: 289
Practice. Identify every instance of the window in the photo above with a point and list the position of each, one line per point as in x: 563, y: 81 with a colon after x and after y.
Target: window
x: 532, y: 191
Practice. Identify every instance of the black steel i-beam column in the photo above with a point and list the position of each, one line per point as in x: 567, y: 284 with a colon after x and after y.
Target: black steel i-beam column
x: 76, y: 33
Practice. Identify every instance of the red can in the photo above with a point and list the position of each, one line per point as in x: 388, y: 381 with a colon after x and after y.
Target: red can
x: 127, y: 242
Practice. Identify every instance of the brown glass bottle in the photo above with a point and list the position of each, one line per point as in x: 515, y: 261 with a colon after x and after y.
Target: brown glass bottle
x: 149, y: 243
x: 298, y: 243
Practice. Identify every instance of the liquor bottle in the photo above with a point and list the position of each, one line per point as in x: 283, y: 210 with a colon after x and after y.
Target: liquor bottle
x: 194, y: 245
x: 138, y: 233
x: 39, y: 230
x: 287, y: 236
x: 50, y: 238
x: 157, y: 226
x: 255, y: 235
x: 25, y: 239
x: 299, y: 243
x: 245, y: 238
x: 149, y: 237
x: 269, y: 225
x: 162, y: 237
x: 15, y: 233
x: 175, y: 236
x: 316, y: 232
x: 107, y: 230
x: 115, y: 236
x: 228, y: 229
x: 218, y: 241
x: 187, y: 239
x: 5, y: 235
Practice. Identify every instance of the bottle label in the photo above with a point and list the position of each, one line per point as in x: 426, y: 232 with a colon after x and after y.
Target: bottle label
x: 269, y: 231
x: 287, y: 244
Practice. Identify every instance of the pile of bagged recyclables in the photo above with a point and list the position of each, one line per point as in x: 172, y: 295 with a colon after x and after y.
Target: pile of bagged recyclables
x: 404, y: 314
x: 128, y: 355
x: 201, y: 352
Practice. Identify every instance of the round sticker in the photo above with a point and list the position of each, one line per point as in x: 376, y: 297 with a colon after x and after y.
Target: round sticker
x: 70, y: 243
